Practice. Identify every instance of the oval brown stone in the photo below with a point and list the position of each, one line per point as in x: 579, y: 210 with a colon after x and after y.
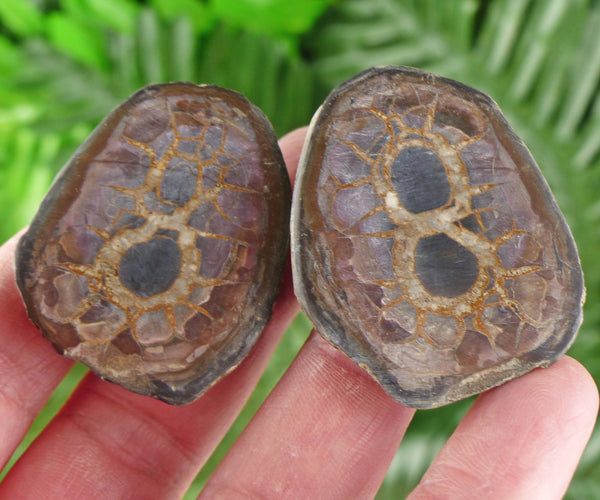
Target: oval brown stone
x: 157, y: 254
x: 425, y: 242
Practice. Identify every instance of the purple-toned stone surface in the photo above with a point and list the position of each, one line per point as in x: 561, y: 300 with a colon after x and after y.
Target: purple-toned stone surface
x: 426, y: 244
x: 157, y: 254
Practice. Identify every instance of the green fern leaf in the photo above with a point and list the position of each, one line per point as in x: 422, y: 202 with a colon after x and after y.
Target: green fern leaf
x: 270, y: 16
x: 21, y: 17
x: 198, y: 13
x: 79, y: 40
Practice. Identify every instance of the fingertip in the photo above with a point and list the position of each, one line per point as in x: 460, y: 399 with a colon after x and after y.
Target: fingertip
x: 519, y: 440
x: 577, y: 387
x: 291, y: 147
x: 566, y: 384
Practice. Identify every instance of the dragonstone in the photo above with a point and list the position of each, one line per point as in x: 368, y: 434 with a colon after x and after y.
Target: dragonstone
x: 157, y: 254
x: 426, y: 243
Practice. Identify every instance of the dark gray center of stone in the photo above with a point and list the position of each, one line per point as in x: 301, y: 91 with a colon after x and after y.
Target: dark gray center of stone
x: 444, y: 267
x: 419, y: 177
x: 150, y: 268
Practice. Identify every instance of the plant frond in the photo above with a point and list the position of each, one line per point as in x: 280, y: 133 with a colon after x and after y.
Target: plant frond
x: 28, y: 163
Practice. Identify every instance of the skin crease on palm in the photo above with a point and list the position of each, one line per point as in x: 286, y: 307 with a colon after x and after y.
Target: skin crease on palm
x: 327, y: 430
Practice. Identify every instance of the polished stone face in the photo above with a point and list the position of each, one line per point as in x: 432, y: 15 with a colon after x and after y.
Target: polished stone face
x: 157, y: 254
x: 426, y: 243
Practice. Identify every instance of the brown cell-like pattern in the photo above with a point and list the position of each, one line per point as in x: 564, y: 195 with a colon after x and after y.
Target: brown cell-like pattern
x: 157, y: 254
x: 426, y: 243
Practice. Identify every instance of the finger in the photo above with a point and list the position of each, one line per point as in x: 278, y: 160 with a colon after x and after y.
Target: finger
x: 109, y: 443
x: 30, y: 368
x: 521, y: 440
x: 291, y: 147
x: 328, y: 430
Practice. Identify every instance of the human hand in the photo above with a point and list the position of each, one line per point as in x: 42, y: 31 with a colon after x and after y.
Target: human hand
x: 327, y: 431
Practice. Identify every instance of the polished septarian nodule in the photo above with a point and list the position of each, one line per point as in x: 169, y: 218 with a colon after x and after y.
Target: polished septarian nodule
x: 157, y: 254
x: 426, y: 244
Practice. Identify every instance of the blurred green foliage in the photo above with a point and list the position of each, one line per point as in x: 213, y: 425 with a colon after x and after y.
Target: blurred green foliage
x: 65, y: 63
